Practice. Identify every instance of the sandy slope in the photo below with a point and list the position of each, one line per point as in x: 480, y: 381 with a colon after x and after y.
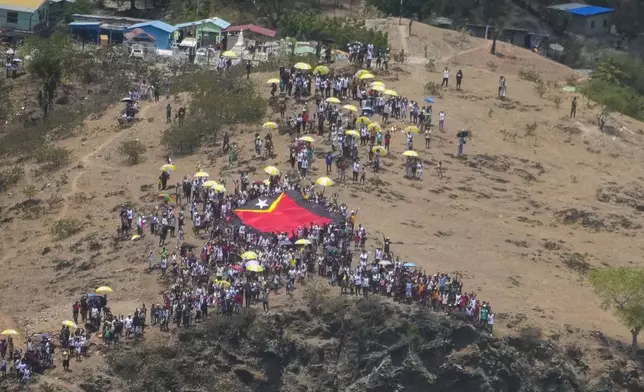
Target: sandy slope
x: 496, y: 216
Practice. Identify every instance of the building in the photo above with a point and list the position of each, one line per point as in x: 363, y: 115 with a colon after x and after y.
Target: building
x: 26, y: 16
x: 206, y: 32
x: 515, y: 36
x: 101, y: 28
x: 582, y: 19
x: 162, y: 33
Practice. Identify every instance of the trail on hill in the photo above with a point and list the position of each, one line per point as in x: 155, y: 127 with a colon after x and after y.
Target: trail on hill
x: 86, y: 161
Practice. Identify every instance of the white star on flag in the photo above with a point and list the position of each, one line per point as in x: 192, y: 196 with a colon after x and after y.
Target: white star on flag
x: 261, y: 203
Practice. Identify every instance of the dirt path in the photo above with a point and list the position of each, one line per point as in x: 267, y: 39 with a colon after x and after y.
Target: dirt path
x: 85, y: 161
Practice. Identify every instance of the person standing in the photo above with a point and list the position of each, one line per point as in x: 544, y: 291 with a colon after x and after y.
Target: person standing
x: 265, y: 300
x: 249, y: 66
x: 459, y: 78
x: 441, y: 120
x: 428, y: 137
x: 151, y: 260
x: 439, y: 169
x: 445, y: 77
x: 461, y: 142
x: 168, y: 114
x: 66, y: 360
x: 573, y: 107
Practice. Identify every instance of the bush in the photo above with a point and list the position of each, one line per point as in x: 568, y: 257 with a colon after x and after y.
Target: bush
x: 528, y: 74
x: 30, y: 191
x: 433, y: 88
x: 53, y: 157
x: 307, y: 26
x: 184, y: 139
x: 216, y: 102
x: 540, y: 88
x: 614, y: 98
x: 65, y: 228
x: 133, y: 151
x: 492, y: 66
x: 557, y: 100
x: 9, y: 178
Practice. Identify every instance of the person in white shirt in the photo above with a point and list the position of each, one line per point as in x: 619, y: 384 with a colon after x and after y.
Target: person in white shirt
x: 441, y: 120
x: 445, y: 77
x: 490, y: 322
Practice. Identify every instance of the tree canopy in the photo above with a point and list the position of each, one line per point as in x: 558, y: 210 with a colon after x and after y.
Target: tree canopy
x: 622, y: 289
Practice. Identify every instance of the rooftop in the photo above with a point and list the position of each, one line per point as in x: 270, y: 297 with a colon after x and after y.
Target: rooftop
x: 155, y: 23
x: 21, y: 5
x: 222, y: 24
x: 581, y: 9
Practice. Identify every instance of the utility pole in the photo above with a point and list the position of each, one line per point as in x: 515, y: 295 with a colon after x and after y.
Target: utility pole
x: 401, y: 12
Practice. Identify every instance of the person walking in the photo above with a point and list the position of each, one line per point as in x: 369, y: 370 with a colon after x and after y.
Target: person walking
x: 573, y: 107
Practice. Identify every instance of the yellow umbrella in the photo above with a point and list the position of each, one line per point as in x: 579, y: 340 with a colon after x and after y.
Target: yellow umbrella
x: 307, y: 139
x: 210, y: 184
x: 302, y: 66
x: 378, y: 88
x: 267, y: 182
x: 391, y: 93
x: 70, y: 324
x: 201, y: 174
x: 9, y: 332
x: 229, y: 54
x: 350, y: 108
x: 363, y: 120
x: 361, y: 72
x: 273, y: 81
x: 219, y: 188
x: 366, y: 76
x: 250, y: 255
x: 324, y: 181
x: 223, y: 283
x: 332, y: 100
x: 321, y: 69
x: 410, y: 153
x: 135, y: 237
x: 272, y: 170
x: 303, y: 242
x: 377, y: 83
x: 255, y: 268
x: 412, y: 129
x: 104, y: 289
x: 269, y: 125
x: 352, y: 132
x: 380, y: 150
x: 373, y: 127
x: 168, y: 167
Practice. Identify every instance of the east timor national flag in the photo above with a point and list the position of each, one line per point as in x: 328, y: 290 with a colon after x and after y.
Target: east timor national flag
x: 282, y: 213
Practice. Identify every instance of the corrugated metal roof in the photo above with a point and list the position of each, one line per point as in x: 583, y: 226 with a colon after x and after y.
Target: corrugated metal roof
x: 85, y: 24
x: 155, y: 23
x: 567, y: 6
x: 21, y: 5
x: 590, y: 10
x: 254, y: 28
x: 222, y: 24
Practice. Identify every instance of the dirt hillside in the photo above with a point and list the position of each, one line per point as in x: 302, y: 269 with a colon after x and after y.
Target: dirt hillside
x: 537, y: 199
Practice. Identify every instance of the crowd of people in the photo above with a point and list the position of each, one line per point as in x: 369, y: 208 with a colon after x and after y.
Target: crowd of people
x: 237, y: 266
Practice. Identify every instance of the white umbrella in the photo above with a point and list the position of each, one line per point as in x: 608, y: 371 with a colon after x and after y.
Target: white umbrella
x: 385, y: 263
x: 128, y: 99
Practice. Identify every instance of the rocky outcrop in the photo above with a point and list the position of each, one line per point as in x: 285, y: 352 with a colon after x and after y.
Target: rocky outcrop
x: 339, y: 344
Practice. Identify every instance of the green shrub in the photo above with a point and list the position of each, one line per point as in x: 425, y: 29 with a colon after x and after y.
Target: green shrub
x: 9, y: 177
x: 133, y: 151
x: 307, y: 26
x: 433, y: 88
x: 184, y: 139
x: 53, y: 157
x: 65, y: 228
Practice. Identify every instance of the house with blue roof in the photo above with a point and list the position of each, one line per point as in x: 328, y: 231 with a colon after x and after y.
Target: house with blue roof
x: 206, y: 31
x: 583, y: 19
x: 159, y: 32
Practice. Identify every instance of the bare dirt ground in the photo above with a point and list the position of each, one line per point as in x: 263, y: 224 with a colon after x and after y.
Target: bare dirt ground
x: 522, y: 216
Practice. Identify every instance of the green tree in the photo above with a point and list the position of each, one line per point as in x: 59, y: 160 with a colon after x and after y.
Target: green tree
x: 51, y: 59
x: 133, y: 151
x: 623, y: 290
x: 495, y: 13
